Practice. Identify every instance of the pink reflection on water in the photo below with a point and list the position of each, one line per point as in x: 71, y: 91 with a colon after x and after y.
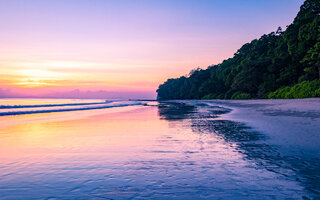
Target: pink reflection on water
x: 120, y: 153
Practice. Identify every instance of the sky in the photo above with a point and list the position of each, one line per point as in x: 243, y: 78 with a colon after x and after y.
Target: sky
x: 123, y: 49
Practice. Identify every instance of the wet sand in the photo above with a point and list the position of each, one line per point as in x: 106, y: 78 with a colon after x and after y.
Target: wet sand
x: 171, y: 150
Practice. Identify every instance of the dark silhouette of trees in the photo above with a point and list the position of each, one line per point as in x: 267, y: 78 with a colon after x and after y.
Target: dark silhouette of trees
x: 261, y: 67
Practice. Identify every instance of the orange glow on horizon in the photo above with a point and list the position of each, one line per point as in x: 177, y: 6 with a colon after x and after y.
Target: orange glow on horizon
x: 37, y: 78
x: 116, y: 46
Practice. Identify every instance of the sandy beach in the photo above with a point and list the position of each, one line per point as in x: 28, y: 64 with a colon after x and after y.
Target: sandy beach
x: 167, y: 150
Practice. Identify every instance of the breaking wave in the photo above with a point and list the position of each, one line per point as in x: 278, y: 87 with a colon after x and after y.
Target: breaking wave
x: 48, y: 108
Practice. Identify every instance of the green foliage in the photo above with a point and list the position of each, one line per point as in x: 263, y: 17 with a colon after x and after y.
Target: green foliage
x: 304, y: 89
x: 257, y: 69
x: 240, y: 95
x: 209, y: 96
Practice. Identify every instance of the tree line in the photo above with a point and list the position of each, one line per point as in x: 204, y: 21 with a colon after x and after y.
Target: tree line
x: 261, y: 68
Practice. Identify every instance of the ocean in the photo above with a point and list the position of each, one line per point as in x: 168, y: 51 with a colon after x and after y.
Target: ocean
x: 97, y: 149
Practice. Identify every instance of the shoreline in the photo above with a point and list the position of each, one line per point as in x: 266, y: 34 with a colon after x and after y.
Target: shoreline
x: 176, y: 149
x: 291, y: 124
x: 277, y: 136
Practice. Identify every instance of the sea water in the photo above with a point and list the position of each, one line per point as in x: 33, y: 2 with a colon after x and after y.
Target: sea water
x: 63, y: 149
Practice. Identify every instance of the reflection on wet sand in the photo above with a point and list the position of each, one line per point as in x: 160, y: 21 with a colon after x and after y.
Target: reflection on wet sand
x: 170, y: 151
x: 252, y: 144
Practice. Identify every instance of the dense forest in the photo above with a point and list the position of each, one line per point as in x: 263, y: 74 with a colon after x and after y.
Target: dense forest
x: 282, y: 64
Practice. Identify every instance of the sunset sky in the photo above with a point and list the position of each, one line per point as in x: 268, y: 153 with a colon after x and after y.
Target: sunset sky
x: 123, y: 49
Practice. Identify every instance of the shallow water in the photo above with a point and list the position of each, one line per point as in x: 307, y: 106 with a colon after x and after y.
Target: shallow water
x: 170, y: 150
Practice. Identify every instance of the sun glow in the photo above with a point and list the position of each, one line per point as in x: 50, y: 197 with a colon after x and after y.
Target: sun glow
x: 38, y: 77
